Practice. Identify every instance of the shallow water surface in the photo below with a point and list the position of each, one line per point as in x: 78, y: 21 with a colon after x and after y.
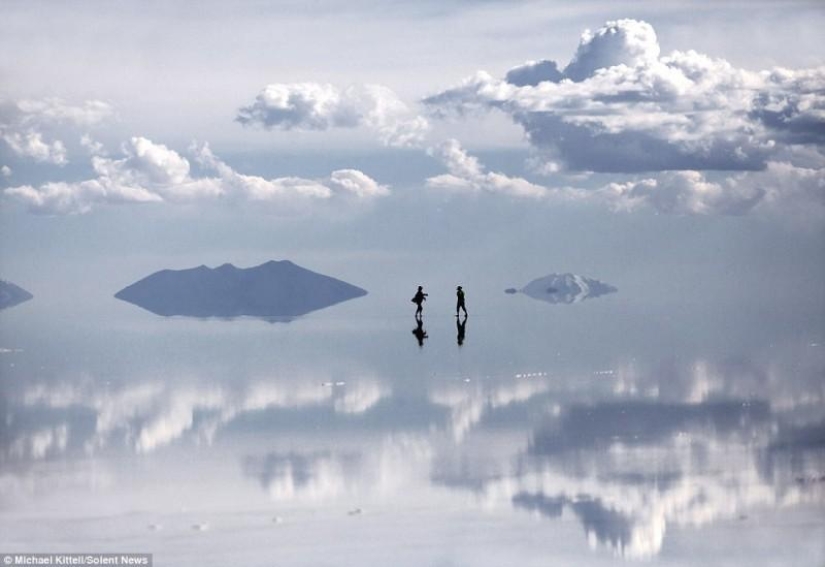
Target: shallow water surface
x: 595, y: 433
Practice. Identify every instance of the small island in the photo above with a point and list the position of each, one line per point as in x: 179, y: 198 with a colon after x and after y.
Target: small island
x: 11, y: 294
x: 563, y: 288
x: 275, y: 289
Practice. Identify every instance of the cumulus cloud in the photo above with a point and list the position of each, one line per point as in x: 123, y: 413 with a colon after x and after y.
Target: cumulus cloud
x: 31, y: 144
x: 782, y: 185
x: 466, y: 174
x: 623, y: 42
x: 792, y: 187
x: 683, y: 192
x: 534, y: 72
x: 257, y: 188
x: 27, y: 125
x: 315, y: 106
x: 5, y: 171
x: 150, y: 172
x: 619, y: 106
x: 340, y: 182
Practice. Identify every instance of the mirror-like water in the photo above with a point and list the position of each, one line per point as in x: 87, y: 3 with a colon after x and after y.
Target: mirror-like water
x: 603, y: 431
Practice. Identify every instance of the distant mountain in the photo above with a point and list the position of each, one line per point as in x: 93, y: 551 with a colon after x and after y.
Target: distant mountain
x: 11, y: 295
x: 273, y: 290
x: 564, y: 288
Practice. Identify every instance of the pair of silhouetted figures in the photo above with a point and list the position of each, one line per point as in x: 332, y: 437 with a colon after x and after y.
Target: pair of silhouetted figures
x: 420, y: 297
x: 461, y: 325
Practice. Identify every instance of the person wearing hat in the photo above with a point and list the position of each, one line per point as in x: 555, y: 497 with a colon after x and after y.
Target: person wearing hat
x: 460, y: 301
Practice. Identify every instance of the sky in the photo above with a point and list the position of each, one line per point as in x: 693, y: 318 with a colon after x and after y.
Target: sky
x: 144, y: 134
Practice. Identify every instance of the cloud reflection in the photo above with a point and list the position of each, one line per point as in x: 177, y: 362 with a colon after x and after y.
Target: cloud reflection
x: 628, y: 453
x: 628, y: 471
x: 644, y: 449
x: 148, y: 415
x: 391, y: 466
x: 468, y: 400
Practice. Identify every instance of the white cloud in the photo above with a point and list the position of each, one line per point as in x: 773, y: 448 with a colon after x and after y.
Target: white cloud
x: 81, y: 197
x: 683, y: 192
x: 257, y: 188
x: 342, y: 182
x: 623, y: 42
x: 787, y: 185
x: 31, y: 144
x: 159, y: 164
x: 315, y: 106
x: 148, y: 173
x: 357, y: 183
x: 5, y: 171
x: 92, y: 146
x: 466, y: 174
x: 90, y: 113
x: 533, y: 73
x: 152, y: 173
x: 782, y: 185
x: 27, y: 125
x: 621, y: 107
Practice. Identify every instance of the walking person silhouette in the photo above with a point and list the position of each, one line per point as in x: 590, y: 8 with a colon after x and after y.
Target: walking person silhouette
x: 460, y: 301
x: 419, y: 298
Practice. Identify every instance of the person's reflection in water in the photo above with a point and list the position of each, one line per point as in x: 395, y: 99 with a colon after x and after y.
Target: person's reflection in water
x: 461, y: 328
x: 419, y: 331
